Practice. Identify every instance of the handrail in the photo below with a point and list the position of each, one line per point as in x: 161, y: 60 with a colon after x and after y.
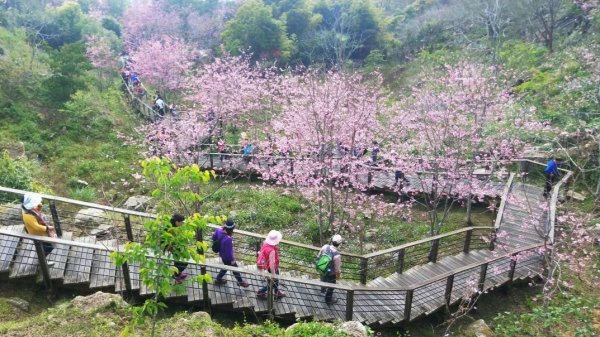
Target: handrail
x: 503, y: 200
x: 80, y: 203
x: 150, y: 215
x: 282, y: 277
x: 454, y: 271
x: 418, y: 242
x: 208, y: 264
x: 553, y: 201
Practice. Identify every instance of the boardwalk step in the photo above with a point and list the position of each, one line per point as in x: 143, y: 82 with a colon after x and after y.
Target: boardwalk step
x: 79, y: 262
x: 8, y: 247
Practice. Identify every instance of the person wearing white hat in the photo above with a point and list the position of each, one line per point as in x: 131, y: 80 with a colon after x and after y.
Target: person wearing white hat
x: 268, y: 259
x: 34, y: 221
x: 334, y: 271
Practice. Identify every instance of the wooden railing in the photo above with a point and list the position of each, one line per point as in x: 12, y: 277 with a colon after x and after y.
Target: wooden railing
x: 360, y: 302
x: 294, y: 256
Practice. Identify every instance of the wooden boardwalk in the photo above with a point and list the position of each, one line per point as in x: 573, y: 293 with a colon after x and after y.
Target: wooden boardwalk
x: 388, y: 298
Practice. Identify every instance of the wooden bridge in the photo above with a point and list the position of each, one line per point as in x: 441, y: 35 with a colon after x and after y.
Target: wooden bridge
x: 387, y: 287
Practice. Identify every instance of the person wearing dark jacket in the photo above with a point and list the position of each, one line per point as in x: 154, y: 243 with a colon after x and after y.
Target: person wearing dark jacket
x: 551, y: 173
x: 176, y: 221
x: 225, y: 237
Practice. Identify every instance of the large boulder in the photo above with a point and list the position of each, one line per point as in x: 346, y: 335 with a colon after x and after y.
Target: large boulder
x: 90, y: 217
x: 10, y: 214
x: 478, y: 329
x: 96, y: 301
x: 19, y: 303
x: 139, y: 203
x: 353, y: 329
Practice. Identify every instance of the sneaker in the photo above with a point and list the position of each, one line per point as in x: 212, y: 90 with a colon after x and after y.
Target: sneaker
x: 280, y: 295
x: 49, y: 263
x: 220, y: 282
x: 333, y: 301
x: 261, y: 295
x: 243, y: 284
x: 178, y: 280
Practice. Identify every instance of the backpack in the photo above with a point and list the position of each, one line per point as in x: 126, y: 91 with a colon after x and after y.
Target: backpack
x: 216, y: 244
x: 262, y: 259
x: 324, y: 262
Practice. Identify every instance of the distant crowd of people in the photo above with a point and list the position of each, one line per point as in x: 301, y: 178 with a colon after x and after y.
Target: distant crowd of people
x: 131, y: 80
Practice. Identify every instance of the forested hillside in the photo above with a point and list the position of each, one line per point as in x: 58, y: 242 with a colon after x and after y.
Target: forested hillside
x: 409, y: 86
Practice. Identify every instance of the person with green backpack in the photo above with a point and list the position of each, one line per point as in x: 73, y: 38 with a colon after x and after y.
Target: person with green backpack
x: 329, y: 265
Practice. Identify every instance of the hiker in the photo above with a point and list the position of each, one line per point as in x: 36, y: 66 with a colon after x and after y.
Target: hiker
x: 374, y: 152
x: 35, y: 224
x: 268, y: 259
x: 159, y: 104
x: 174, y: 111
x: 176, y: 221
x: 223, y: 239
x: 331, y: 266
x: 551, y: 173
x: 221, y: 148
x: 399, y: 175
x: 247, y: 152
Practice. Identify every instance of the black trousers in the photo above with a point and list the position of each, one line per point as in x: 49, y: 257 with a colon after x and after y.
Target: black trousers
x: 550, y: 180
x: 329, y: 291
x: 48, y: 247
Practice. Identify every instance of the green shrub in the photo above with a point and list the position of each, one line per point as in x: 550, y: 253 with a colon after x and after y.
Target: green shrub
x: 83, y: 194
x: 14, y: 173
x: 570, y: 316
x: 314, y: 329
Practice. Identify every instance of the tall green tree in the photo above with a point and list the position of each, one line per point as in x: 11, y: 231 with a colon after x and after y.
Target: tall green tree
x: 69, y: 66
x: 255, y: 28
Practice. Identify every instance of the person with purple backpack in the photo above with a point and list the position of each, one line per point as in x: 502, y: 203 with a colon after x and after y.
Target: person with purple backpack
x: 223, y: 244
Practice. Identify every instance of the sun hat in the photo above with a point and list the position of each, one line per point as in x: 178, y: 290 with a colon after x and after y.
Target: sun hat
x: 336, y: 239
x: 31, y: 200
x: 229, y: 224
x: 273, y: 237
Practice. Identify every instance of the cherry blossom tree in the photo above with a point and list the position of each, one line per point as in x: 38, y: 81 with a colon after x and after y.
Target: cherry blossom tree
x: 164, y: 62
x: 230, y: 90
x: 147, y: 20
x: 101, y: 55
x: 453, y: 123
x: 177, y: 139
x: 325, y: 124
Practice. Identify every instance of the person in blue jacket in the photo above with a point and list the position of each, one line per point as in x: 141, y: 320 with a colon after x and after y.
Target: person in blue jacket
x: 225, y: 237
x: 551, y: 173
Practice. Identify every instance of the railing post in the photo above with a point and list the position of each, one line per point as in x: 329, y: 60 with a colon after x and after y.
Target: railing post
x: 408, y: 305
x: 270, y: 294
x: 433, y: 252
x: 448, y: 293
x: 400, y: 266
x: 126, y: 277
x: 210, y: 150
x: 482, y: 275
x: 55, y: 219
x: 364, y: 264
x: 41, y: 255
x: 511, y: 269
x: 128, y: 228
x: 349, y: 304
x: 468, y: 237
x: 205, y: 296
x: 493, y: 237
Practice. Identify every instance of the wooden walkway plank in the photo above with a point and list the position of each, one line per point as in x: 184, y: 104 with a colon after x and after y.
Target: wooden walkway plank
x: 79, y: 262
x: 103, y: 269
x: 8, y: 247
x: 26, y: 260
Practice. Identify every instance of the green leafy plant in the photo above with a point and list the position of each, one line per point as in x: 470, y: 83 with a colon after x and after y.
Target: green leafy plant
x: 174, y: 188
